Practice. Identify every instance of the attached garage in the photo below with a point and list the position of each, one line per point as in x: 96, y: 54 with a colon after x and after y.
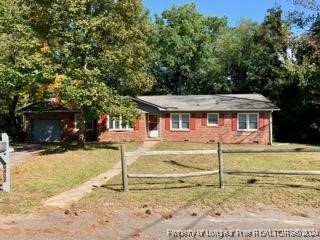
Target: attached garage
x: 49, y: 122
x: 45, y: 130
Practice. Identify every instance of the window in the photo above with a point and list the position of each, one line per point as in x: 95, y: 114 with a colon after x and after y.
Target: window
x: 212, y: 119
x: 88, y: 124
x: 180, y: 121
x: 118, y: 124
x: 247, y: 121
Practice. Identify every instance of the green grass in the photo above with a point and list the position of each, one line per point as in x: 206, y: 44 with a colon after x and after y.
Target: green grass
x: 49, y: 173
x: 182, y: 146
x: 203, y: 146
x: 240, y: 190
x: 54, y: 148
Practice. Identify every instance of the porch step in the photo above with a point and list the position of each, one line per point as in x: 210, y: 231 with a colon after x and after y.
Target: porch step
x: 153, y: 139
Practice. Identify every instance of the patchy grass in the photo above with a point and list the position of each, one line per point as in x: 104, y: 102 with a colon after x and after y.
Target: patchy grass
x: 73, y: 146
x: 240, y: 190
x: 46, y: 174
x: 183, y: 146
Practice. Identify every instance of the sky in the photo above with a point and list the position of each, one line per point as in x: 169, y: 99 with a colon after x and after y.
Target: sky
x: 233, y: 9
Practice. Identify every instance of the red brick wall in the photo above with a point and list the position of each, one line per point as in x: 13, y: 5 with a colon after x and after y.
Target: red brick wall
x: 138, y: 134
x: 218, y: 133
x: 199, y: 131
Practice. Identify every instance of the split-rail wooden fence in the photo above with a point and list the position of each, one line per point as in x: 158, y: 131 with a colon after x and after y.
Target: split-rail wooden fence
x: 221, y: 170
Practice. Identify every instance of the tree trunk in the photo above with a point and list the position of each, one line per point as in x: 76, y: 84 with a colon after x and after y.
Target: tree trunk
x: 82, y: 129
x: 13, y: 117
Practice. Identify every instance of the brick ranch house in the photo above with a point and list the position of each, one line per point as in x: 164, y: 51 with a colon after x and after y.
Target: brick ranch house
x: 229, y: 118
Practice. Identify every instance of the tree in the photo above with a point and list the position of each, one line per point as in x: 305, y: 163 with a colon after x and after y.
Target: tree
x: 301, y: 99
x: 183, y: 43
x: 304, y: 19
x: 24, y: 72
x: 236, y: 52
x: 100, y: 51
x: 251, y: 55
x: 274, y: 42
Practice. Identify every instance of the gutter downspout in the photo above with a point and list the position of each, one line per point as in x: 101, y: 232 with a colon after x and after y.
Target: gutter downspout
x: 160, y: 126
x: 270, y: 128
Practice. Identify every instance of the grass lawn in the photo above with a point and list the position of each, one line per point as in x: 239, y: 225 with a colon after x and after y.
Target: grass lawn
x: 203, y: 146
x: 240, y: 190
x: 58, y: 168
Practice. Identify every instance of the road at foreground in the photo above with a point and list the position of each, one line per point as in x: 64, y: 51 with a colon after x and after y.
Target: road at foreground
x: 148, y: 224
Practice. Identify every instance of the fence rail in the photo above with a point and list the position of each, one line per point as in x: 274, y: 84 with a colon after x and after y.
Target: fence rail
x: 271, y: 150
x: 276, y: 172
x: 173, y: 175
x: 221, y: 170
x: 186, y: 152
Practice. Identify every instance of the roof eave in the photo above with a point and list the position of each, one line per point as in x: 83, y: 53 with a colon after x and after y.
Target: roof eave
x: 219, y: 110
x: 52, y: 111
x: 160, y: 108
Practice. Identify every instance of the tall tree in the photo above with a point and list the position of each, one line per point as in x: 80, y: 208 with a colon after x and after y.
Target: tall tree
x: 251, y: 55
x: 301, y: 99
x: 183, y: 42
x: 100, y: 51
x: 24, y: 72
x: 274, y: 41
x: 307, y: 16
x: 236, y: 52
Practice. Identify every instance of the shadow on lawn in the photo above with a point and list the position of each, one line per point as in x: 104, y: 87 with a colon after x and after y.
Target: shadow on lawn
x: 73, y: 146
x: 149, y: 186
x: 118, y: 187
x: 183, y: 165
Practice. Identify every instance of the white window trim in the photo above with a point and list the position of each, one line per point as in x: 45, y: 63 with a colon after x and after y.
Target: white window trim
x: 247, y: 122
x: 118, y: 129
x: 76, y: 127
x: 180, y: 122
x: 218, y: 118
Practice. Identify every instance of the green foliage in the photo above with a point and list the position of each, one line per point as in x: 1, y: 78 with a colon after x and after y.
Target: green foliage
x: 92, y: 53
x: 237, y: 53
x: 24, y: 72
x: 301, y: 95
x: 251, y: 55
x: 99, y: 49
x: 106, y: 37
x: 183, y: 43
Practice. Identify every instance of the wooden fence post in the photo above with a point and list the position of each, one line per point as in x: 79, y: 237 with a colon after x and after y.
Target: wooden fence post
x: 124, y: 168
x: 220, y: 162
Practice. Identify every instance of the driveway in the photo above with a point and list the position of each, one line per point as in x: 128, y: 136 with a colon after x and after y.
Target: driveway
x: 23, y: 152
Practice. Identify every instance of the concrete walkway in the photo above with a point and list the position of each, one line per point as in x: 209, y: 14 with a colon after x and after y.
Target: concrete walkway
x: 64, y: 199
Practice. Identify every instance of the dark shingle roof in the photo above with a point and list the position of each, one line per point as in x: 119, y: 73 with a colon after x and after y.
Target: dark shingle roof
x: 218, y: 102
x: 47, y: 106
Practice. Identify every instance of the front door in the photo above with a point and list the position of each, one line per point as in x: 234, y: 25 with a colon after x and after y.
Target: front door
x: 153, y: 120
